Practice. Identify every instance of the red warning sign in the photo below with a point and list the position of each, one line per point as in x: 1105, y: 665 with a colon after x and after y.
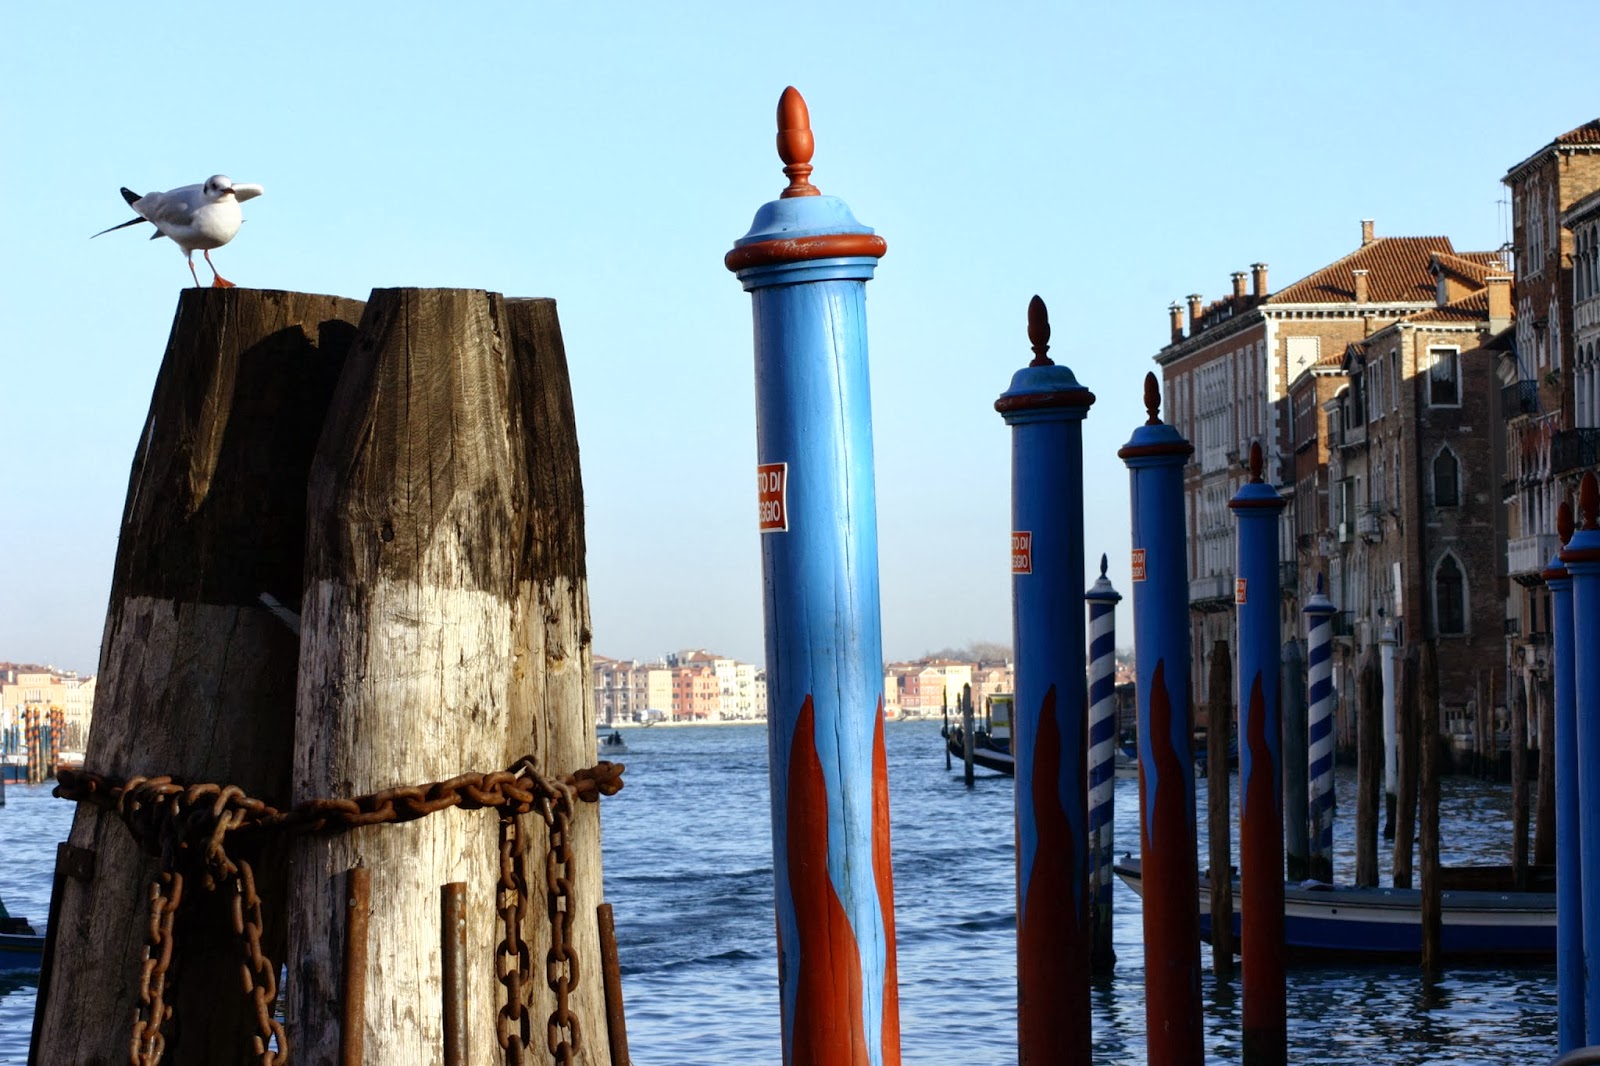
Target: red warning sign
x: 1239, y: 590
x: 1138, y: 564
x: 1022, y: 553
x: 772, y: 488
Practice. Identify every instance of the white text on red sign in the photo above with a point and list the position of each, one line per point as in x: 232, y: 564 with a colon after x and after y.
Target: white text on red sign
x: 1022, y: 553
x: 1138, y: 564
x: 772, y: 487
x: 1238, y: 590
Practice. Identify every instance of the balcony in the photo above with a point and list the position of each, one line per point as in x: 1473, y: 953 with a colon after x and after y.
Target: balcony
x: 1521, y: 398
x: 1214, y: 592
x: 1526, y: 556
x: 1369, y: 526
x: 1509, y: 488
x: 1574, y: 449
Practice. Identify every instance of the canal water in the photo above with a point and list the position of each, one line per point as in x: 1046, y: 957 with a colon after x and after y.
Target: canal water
x: 689, y: 870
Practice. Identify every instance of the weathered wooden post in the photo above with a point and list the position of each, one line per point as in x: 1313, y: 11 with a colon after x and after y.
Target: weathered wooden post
x: 1319, y: 612
x: 1569, y: 814
x: 1256, y: 506
x: 1518, y: 694
x: 1219, y: 807
x: 1102, y: 599
x: 445, y: 632
x: 196, y: 677
x: 1045, y: 408
x: 1405, y: 809
x: 1369, y: 769
x: 1155, y: 456
x: 1428, y: 772
x: 969, y: 733
x: 1387, y: 646
x: 1296, y: 816
x: 1581, y: 557
x: 805, y: 262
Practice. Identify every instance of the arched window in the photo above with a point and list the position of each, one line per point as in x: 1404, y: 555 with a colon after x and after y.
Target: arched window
x: 1450, y: 596
x: 1446, y: 479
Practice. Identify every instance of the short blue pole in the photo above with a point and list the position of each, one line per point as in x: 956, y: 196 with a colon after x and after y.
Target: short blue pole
x: 1155, y: 456
x: 1045, y: 407
x: 1319, y: 612
x: 1569, y: 884
x: 1581, y: 557
x: 805, y: 263
x: 1256, y: 507
x: 1102, y: 599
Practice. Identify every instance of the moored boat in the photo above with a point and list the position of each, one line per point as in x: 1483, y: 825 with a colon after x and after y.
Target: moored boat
x: 611, y: 744
x: 21, y: 948
x: 1329, y: 922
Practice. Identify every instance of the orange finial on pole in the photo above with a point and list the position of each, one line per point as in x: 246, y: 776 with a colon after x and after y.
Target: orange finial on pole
x: 1589, y: 501
x: 1564, y: 523
x: 1152, y: 399
x: 795, y: 144
x: 1255, y: 461
x: 1039, y: 332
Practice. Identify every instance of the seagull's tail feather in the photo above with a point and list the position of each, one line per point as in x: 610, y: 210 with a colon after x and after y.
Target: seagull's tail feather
x: 130, y: 196
x: 124, y: 225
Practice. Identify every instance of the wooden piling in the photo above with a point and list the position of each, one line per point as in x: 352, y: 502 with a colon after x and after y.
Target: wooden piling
x: 445, y: 630
x: 1519, y: 783
x: 1407, y: 733
x: 1219, y: 818
x: 196, y: 678
x: 1369, y: 770
x: 1428, y: 769
x: 1544, y: 821
x: 967, y: 727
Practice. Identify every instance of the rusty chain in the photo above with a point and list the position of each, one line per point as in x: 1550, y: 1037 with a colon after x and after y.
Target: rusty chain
x: 186, y: 826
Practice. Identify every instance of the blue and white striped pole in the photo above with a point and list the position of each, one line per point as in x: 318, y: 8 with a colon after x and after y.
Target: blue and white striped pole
x: 805, y: 263
x: 1102, y: 600
x: 1045, y: 407
x: 1569, y: 883
x: 1319, y: 612
x: 1581, y: 557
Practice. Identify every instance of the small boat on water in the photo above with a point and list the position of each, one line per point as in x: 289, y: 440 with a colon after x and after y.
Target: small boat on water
x: 1481, y: 921
x: 21, y: 948
x: 611, y: 744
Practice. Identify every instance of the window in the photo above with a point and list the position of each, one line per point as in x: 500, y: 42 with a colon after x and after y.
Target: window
x: 1446, y: 479
x: 1444, y: 377
x: 1450, y: 596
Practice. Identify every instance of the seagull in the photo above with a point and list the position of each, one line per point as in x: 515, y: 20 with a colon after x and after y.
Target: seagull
x: 199, y: 217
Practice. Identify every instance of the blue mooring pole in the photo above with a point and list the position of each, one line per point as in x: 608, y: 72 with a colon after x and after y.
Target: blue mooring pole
x: 1319, y: 612
x: 1102, y: 600
x: 805, y: 263
x: 1155, y: 456
x: 1581, y: 557
x: 1256, y: 507
x: 1569, y: 816
x: 1045, y: 407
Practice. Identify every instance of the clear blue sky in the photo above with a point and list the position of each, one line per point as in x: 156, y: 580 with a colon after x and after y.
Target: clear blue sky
x: 1110, y: 157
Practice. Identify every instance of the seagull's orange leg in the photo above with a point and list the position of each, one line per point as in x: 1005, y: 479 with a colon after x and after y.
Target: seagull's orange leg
x: 217, y: 280
x: 190, y: 260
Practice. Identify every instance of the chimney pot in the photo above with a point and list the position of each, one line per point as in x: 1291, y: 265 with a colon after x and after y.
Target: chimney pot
x: 1499, y: 286
x: 1360, y: 285
x: 1366, y: 232
x: 1175, y: 312
x: 1258, y: 280
x: 1238, y: 284
x: 1194, y: 313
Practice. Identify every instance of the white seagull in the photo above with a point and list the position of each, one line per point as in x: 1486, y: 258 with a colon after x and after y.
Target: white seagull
x: 199, y: 217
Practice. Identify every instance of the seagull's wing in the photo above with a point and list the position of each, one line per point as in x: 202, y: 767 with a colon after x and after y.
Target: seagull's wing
x: 121, y: 225
x: 175, y: 207
x: 246, y: 192
x: 130, y: 196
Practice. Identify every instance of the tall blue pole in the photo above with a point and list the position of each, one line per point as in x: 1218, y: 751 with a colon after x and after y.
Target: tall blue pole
x: 1581, y: 557
x: 1319, y: 612
x: 1256, y: 507
x: 1102, y: 600
x: 1045, y: 407
x: 1155, y: 456
x: 1569, y: 884
x: 805, y: 263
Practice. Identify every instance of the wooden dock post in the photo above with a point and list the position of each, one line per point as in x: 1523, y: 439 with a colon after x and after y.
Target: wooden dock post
x: 197, y: 677
x: 1407, y: 736
x: 1428, y: 772
x: 1544, y: 803
x: 445, y: 631
x: 1369, y: 769
x: 1219, y: 814
x: 1518, y: 695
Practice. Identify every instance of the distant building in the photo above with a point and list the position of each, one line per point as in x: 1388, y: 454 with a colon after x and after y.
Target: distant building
x: 22, y: 691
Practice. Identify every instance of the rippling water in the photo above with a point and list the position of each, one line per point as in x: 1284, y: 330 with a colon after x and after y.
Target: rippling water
x: 689, y: 869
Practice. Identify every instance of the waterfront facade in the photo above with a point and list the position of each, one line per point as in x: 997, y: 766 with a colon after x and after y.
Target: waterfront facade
x: 23, y: 691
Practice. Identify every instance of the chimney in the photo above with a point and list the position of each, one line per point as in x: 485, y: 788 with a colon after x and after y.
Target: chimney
x: 1361, y: 285
x: 1194, y: 313
x: 1366, y: 232
x: 1176, y: 312
x: 1499, y: 286
x: 1258, y: 280
x: 1238, y: 284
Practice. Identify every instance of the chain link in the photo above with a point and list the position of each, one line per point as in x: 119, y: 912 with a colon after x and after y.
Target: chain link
x: 187, y: 826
